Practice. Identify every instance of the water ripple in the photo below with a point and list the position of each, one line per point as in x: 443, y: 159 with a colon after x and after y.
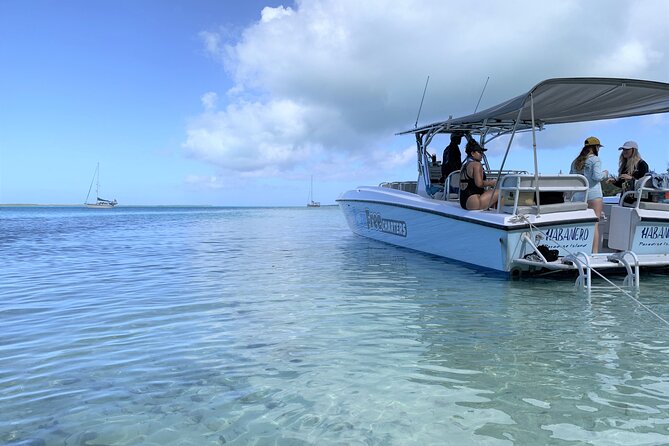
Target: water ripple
x: 211, y: 326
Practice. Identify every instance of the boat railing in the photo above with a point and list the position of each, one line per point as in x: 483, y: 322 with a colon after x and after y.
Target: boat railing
x: 648, y: 194
x: 407, y: 186
x: 557, y: 193
x: 452, y: 183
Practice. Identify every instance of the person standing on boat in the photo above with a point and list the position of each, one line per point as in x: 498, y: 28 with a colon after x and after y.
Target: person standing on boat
x: 452, y: 158
x: 588, y: 164
x: 473, y: 181
x: 630, y: 168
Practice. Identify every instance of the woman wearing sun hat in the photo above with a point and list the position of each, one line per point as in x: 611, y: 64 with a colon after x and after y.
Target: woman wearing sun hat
x: 630, y: 167
x: 588, y: 164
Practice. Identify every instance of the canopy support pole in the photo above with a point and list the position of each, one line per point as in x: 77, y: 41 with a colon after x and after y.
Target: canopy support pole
x: 506, y: 154
x: 422, y: 142
x: 534, y: 149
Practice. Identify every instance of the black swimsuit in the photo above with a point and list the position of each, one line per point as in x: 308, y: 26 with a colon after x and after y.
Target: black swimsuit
x: 468, y: 186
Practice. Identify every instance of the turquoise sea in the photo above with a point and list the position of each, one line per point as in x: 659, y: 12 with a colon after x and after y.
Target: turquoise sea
x: 278, y: 326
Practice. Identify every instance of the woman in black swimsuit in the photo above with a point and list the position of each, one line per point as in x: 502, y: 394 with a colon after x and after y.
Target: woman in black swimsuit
x: 473, y: 181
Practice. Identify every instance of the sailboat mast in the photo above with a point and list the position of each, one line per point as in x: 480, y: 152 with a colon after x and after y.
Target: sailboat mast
x: 311, y: 190
x: 95, y: 175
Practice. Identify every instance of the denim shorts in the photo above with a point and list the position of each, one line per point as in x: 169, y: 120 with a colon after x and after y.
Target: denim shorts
x: 595, y: 192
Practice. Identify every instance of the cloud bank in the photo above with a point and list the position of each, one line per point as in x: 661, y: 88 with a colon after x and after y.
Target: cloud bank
x: 323, y: 84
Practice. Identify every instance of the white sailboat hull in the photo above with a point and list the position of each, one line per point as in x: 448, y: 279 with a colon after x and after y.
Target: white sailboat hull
x: 100, y: 205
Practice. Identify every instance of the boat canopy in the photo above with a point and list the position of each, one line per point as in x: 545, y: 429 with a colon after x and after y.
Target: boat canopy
x: 560, y: 101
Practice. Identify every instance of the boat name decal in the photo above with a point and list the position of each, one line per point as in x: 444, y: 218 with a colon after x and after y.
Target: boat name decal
x: 567, y: 234
x: 655, y: 232
x: 376, y: 223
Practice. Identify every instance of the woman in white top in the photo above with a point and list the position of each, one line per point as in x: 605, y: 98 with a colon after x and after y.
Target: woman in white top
x: 588, y: 164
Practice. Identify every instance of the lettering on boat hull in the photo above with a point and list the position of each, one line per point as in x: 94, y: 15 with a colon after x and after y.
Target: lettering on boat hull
x: 568, y: 234
x: 376, y: 222
x: 651, y: 239
x: 568, y: 239
x: 655, y: 233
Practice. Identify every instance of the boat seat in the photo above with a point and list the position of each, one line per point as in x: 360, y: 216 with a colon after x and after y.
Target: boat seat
x: 568, y: 206
x: 644, y: 203
x: 652, y: 206
x: 453, y: 183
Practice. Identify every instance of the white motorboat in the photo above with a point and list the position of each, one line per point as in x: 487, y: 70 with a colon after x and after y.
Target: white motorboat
x: 100, y: 203
x: 532, y: 216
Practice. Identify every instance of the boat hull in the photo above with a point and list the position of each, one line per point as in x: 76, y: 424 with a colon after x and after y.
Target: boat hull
x: 484, y: 239
x: 100, y: 206
x: 639, y: 230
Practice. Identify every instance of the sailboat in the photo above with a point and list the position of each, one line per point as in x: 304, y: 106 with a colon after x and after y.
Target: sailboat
x: 312, y: 203
x: 100, y: 203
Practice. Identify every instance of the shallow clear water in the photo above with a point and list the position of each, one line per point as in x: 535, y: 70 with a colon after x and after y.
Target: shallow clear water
x: 209, y: 326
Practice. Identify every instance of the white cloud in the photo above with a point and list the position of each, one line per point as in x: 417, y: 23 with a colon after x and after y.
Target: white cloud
x: 629, y: 58
x: 212, y: 42
x: 209, y: 101
x: 200, y: 182
x: 268, y: 13
x: 252, y: 136
x: 328, y: 81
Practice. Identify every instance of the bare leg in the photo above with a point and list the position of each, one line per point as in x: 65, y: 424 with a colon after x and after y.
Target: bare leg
x: 596, y: 205
x: 473, y: 202
x: 476, y: 202
x: 489, y: 199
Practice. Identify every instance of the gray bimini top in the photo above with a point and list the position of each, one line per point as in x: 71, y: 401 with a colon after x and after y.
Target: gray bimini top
x: 560, y: 101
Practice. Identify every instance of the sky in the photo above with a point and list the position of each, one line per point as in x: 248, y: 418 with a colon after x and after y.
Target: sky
x: 241, y: 103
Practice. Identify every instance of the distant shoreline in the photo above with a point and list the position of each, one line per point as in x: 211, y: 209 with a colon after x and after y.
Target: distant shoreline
x: 37, y: 205
x: 125, y: 206
x: 28, y: 205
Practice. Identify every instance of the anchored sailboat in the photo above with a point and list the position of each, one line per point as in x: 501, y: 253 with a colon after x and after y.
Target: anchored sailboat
x: 312, y: 203
x: 100, y: 203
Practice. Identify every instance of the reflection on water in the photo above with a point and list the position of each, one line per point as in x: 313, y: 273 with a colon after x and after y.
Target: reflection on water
x: 277, y: 326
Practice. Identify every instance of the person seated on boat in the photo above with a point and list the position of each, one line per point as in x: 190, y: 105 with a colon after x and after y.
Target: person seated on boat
x: 473, y: 181
x: 588, y: 164
x: 631, y: 167
x: 452, y: 157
